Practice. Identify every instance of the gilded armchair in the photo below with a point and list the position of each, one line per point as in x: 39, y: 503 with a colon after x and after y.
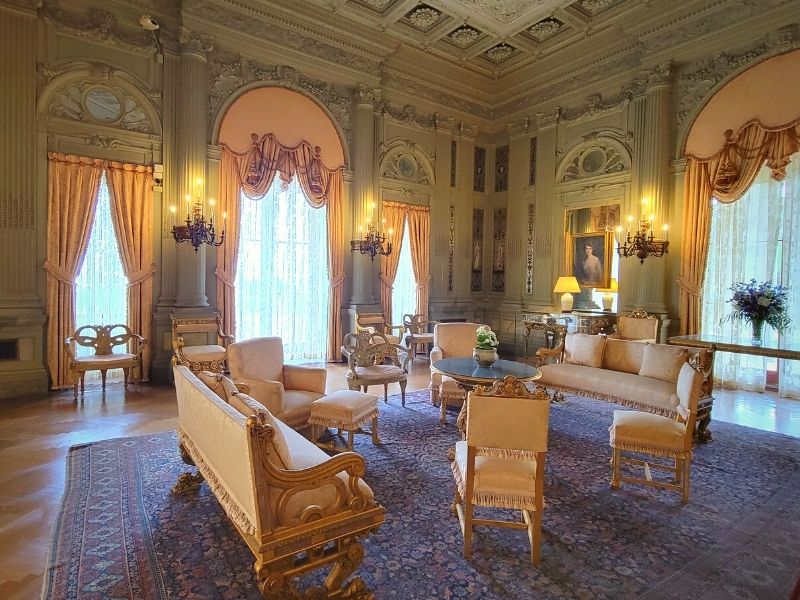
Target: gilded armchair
x: 373, y: 361
x: 190, y: 341
x: 450, y: 340
x: 376, y: 323
x: 417, y: 333
x: 104, y: 340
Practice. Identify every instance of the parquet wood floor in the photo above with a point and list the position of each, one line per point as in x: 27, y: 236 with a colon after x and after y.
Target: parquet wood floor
x: 37, y: 431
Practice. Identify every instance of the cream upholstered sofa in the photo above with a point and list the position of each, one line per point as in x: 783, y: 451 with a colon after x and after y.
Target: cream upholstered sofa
x: 632, y: 373
x: 286, y: 390
x: 296, y: 508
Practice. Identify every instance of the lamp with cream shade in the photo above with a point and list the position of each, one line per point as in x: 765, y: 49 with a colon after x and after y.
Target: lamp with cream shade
x: 566, y: 286
x: 608, y: 294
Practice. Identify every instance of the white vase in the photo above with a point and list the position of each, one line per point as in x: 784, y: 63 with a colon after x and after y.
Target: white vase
x: 484, y: 358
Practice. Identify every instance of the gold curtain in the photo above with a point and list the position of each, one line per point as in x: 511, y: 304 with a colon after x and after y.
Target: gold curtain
x: 253, y: 172
x: 419, y: 232
x: 131, y: 188
x: 394, y: 213
x: 72, y: 185
x: 726, y: 175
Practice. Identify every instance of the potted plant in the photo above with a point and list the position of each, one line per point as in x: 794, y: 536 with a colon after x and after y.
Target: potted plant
x: 759, y: 303
x: 485, y: 352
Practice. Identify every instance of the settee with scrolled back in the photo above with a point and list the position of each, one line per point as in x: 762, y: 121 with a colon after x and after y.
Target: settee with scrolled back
x: 296, y: 508
x: 637, y: 374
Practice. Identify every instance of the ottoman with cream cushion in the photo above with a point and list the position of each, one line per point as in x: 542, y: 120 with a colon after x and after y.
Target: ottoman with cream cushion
x: 346, y: 409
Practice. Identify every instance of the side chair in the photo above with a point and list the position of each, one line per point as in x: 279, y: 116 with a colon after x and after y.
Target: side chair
x: 501, y: 463
x: 104, y: 339
x: 374, y: 361
x: 192, y: 346
x: 417, y: 333
x: 636, y: 433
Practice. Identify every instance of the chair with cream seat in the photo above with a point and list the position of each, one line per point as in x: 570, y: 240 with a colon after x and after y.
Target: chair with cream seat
x: 638, y: 433
x: 376, y: 323
x: 450, y: 340
x: 105, y: 338
x: 637, y: 325
x: 286, y: 390
x: 192, y: 346
x: 501, y: 462
x: 374, y: 361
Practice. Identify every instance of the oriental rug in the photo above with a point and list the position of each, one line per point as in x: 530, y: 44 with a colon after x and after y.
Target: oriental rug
x: 121, y: 533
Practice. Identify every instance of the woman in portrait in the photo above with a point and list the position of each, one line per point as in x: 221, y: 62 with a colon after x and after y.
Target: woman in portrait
x: 591, y: 267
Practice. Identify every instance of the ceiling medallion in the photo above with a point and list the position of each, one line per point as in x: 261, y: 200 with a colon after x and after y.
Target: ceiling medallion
x: 424, y: 18
x: 500, y: 52
x: 379, y: 4
x: 464, y: 36
x: 545, y: 29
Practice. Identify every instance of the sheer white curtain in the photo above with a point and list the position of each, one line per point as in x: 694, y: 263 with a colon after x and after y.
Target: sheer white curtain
x: 282, y: 286
x: 101, y: 287
x: 789, y: 370
x: 404, y: 290
x: 752, y: 238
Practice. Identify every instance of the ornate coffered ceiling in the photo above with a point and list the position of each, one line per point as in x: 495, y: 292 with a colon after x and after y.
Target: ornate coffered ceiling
x: 487, y: 36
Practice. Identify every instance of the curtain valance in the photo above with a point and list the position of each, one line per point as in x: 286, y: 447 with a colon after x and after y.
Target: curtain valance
x: 252, y: 172
x: 726, y: 175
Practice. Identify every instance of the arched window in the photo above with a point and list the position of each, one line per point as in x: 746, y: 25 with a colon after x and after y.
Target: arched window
x: 756, y: 237
x: 101, y: 286
x: 404, y: 290
x: 282, y: 286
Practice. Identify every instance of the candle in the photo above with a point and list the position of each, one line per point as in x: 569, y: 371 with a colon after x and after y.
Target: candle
x: 173, y: 210
x: 666, y: 231
x: 188, y: 206
x: 618, y: 232
x: 630, y: 220
x: 213, y: 209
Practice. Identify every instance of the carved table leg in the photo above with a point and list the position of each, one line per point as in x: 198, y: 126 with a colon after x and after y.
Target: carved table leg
x: 702, y: 433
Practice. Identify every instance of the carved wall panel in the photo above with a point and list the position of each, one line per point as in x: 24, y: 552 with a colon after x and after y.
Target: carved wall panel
x: 501, y: 169
x: 532, y: 164
x: 477, y: 250
x: 453, y: 162
x: 479, y: 170
x: 499, y: 250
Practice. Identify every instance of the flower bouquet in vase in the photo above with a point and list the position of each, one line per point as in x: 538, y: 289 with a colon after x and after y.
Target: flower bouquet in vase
x: 485, y: 352
x: 759, y: 303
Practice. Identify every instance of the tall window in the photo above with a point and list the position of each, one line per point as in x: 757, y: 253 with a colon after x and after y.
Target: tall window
x: 404, y: 291
x: 282, y: 286
x: 101, y: 286
x: 756, y: 237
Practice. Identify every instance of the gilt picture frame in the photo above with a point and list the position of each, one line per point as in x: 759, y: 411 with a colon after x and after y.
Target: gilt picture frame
x: 589, y: 258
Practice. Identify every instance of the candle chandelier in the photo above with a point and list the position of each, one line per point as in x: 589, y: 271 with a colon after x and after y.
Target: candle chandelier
x: 643, y: 243
x: 373, y: 243
x: 196, y: 229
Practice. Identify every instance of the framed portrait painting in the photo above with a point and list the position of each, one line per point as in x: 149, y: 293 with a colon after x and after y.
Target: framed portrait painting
x: 590, y: 258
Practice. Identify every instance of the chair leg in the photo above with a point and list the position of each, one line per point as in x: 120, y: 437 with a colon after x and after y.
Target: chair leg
x: 350, y: 439
x: 375, y: 439
x: 385, y: 392
x: 83, y: 382
x: 127, y: 373
x: 403, y: 391
x: 467, y: 529
x: 75, y: 387
x: 103, y: 378
x: 615, y: 468
x: 685, y: 487
x: 535, y: 530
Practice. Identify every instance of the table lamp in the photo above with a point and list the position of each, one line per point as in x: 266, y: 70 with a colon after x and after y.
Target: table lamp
x: 565, y: 286
x: 608, y: 294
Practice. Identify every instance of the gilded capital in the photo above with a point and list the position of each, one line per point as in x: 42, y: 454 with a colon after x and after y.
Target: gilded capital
x: 195, y: 43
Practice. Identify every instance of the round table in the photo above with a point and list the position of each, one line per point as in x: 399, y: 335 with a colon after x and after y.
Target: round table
x: 466, y: 372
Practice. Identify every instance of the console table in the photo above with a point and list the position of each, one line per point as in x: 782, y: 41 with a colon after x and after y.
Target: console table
x: 555, y: 325
x: 724, y: 343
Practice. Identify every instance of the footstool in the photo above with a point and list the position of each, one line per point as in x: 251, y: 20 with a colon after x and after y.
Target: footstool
x: 349, y: 410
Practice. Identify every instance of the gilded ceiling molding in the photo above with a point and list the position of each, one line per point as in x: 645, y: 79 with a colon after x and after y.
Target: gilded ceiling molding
x: 408, y: 116
x: 414, y: 87
x: 266, y: 26
x: 363, y: 94
x: 595, y: 107
x: 229, y: 72
x: 26, y: 6
x: 97, y: 26
x: 520, y: 127
x: 467, y: 131
x: 548, y: 117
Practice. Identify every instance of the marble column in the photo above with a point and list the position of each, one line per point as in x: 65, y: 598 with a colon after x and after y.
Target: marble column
x: 191, y: 132
x: 364, y: 196
x: 642, y: 285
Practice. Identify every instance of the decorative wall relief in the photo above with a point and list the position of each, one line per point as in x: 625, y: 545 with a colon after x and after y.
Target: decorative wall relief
x: 451, y: 246
x: 228, y: 72
x: 499, y: 251
x: 599, y: 159
x: 479, y: 174
x: 529, y: 253
x: 92, y: 103
x: 605, y: 218
x: 405, y: 160
x: 453, y: 162
x: 501, y: 169
x: 477, y: 250
x: 532, y: 164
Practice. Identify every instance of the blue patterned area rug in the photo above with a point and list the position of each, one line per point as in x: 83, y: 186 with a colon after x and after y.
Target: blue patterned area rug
x: 121, y: 532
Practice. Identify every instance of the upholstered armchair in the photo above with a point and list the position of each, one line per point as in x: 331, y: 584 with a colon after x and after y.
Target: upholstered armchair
x: 104, y: 339
x: 501, y: 463
x: 375, y: 323
x: 638, y: 326
x: 638, y: 433
x: 192, y: 346
x: 450, y: 340
x: 286, y: 390
x: 374, y: 361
